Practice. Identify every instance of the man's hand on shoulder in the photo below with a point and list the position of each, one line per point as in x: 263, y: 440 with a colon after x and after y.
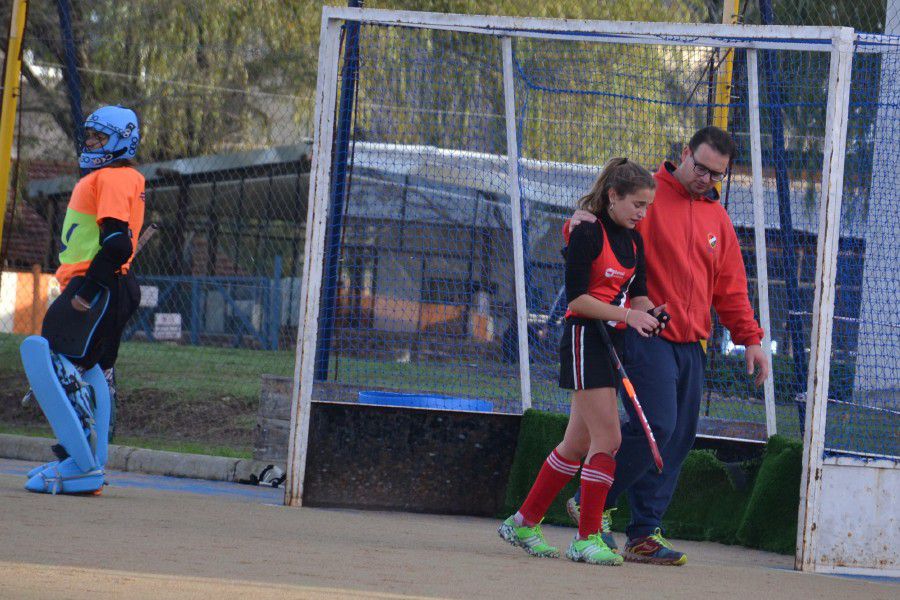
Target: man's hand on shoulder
x: 757, y: 361
x: 581, y: 216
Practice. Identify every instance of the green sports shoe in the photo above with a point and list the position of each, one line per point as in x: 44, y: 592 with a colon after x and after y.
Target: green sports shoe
x: 574, y: 511
x: 531, y: 539
x: 594, y: 551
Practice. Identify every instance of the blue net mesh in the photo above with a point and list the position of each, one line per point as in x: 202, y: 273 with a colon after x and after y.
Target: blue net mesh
x: 420, y: 278
x: 644, y: 102
x: 420, y: 270
x: 864, y: 387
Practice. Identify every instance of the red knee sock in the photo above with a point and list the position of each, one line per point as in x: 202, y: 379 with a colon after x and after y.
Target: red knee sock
x: 596, y: 479
x: 554, y: 475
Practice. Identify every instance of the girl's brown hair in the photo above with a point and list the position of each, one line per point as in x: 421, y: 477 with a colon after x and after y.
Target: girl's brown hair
x: 619, y: 174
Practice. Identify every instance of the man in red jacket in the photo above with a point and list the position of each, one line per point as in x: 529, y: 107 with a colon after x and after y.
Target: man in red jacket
x: 693, y: 263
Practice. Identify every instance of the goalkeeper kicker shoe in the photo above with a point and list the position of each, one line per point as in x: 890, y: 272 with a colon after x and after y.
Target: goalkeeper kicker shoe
x: 593, y: 550
x: 531, y: 539
x: 653, y: 549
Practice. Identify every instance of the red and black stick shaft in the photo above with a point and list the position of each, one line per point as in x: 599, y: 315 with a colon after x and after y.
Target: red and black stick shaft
x: 632, y: 395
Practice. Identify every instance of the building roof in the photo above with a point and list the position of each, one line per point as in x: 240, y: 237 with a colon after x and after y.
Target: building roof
x: 469, y: 180
x: 193, y: 167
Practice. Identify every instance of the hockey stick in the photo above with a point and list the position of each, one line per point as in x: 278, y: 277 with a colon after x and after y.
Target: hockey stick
x: 632, y: 395
x: 148, y: 233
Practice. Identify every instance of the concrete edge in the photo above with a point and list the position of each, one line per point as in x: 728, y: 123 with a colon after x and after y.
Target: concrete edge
x: 151, y: 462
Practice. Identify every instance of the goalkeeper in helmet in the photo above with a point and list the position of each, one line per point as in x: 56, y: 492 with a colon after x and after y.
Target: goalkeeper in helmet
x: 98, y: 239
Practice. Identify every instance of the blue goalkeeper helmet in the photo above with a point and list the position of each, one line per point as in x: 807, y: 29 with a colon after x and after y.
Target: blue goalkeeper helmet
x: 121, y: 125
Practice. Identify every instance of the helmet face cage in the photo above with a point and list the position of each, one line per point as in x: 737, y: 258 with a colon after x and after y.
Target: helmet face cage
x: 121, y: 125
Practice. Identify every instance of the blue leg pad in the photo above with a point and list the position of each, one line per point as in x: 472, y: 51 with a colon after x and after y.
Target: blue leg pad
x: 41, y: 370
x: 65, y: 477
x: 95, y: 378
x: 37, y: 470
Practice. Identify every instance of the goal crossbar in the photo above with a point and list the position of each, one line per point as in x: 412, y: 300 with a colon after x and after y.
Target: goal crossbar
x: 768, y: 37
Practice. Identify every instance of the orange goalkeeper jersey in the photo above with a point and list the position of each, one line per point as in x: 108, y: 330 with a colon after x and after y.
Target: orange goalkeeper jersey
x: 112, y: 192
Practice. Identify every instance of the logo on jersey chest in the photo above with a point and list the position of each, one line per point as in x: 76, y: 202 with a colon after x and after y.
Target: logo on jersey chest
x: 712, y: 240
x: 613, y: 273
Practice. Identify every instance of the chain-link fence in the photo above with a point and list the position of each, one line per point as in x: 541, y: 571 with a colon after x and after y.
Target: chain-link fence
x: 225, y: 91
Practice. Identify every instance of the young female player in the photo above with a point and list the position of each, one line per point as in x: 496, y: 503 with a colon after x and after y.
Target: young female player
x: 604, y: 269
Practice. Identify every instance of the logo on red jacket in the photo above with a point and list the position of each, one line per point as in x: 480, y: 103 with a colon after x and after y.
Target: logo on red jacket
x: 712, y: 239
x: 613, y: 272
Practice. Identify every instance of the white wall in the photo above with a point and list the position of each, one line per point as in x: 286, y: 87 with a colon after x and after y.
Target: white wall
x: 859, y: 517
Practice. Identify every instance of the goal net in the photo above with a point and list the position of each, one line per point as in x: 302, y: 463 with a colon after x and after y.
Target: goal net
x: 450, y: 149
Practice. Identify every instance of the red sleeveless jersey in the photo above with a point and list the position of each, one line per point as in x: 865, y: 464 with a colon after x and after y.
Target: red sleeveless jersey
x: 609, y: 280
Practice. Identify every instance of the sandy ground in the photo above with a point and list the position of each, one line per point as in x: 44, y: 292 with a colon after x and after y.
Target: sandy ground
x: 154, y: 537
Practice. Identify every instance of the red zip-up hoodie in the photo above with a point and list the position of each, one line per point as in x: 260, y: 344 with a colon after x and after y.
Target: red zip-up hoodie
x: 693, y: 262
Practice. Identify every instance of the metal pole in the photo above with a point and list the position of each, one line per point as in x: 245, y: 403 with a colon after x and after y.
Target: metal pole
x: 730, y: 12
x: 11, y: 72
x: 338, y: 191
x: 794, y: 324
x: 275, y: 305
x: 722, y: 84
x: 759, y: 229
x: 823, y: 303
x: 73, y: 80
x: 517, y: 222
x: 316, y: 219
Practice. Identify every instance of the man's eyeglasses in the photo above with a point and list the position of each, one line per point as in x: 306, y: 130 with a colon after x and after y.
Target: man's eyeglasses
x: 701, y: 170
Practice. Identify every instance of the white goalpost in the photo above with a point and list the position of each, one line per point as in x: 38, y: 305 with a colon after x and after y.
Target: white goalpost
x: 849, y: 510
x: 448, y: 149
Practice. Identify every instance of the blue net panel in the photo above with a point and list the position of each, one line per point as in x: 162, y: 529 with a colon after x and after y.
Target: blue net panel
x: 864, y: 392
x: 419, y: 293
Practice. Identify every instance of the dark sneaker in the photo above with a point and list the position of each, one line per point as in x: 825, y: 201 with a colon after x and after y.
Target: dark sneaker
x: 653, y: 549
x: 606, y: 530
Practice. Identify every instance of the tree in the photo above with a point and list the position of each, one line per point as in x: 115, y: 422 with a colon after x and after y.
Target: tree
x: 204, y: 76
x: 445, y: 88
